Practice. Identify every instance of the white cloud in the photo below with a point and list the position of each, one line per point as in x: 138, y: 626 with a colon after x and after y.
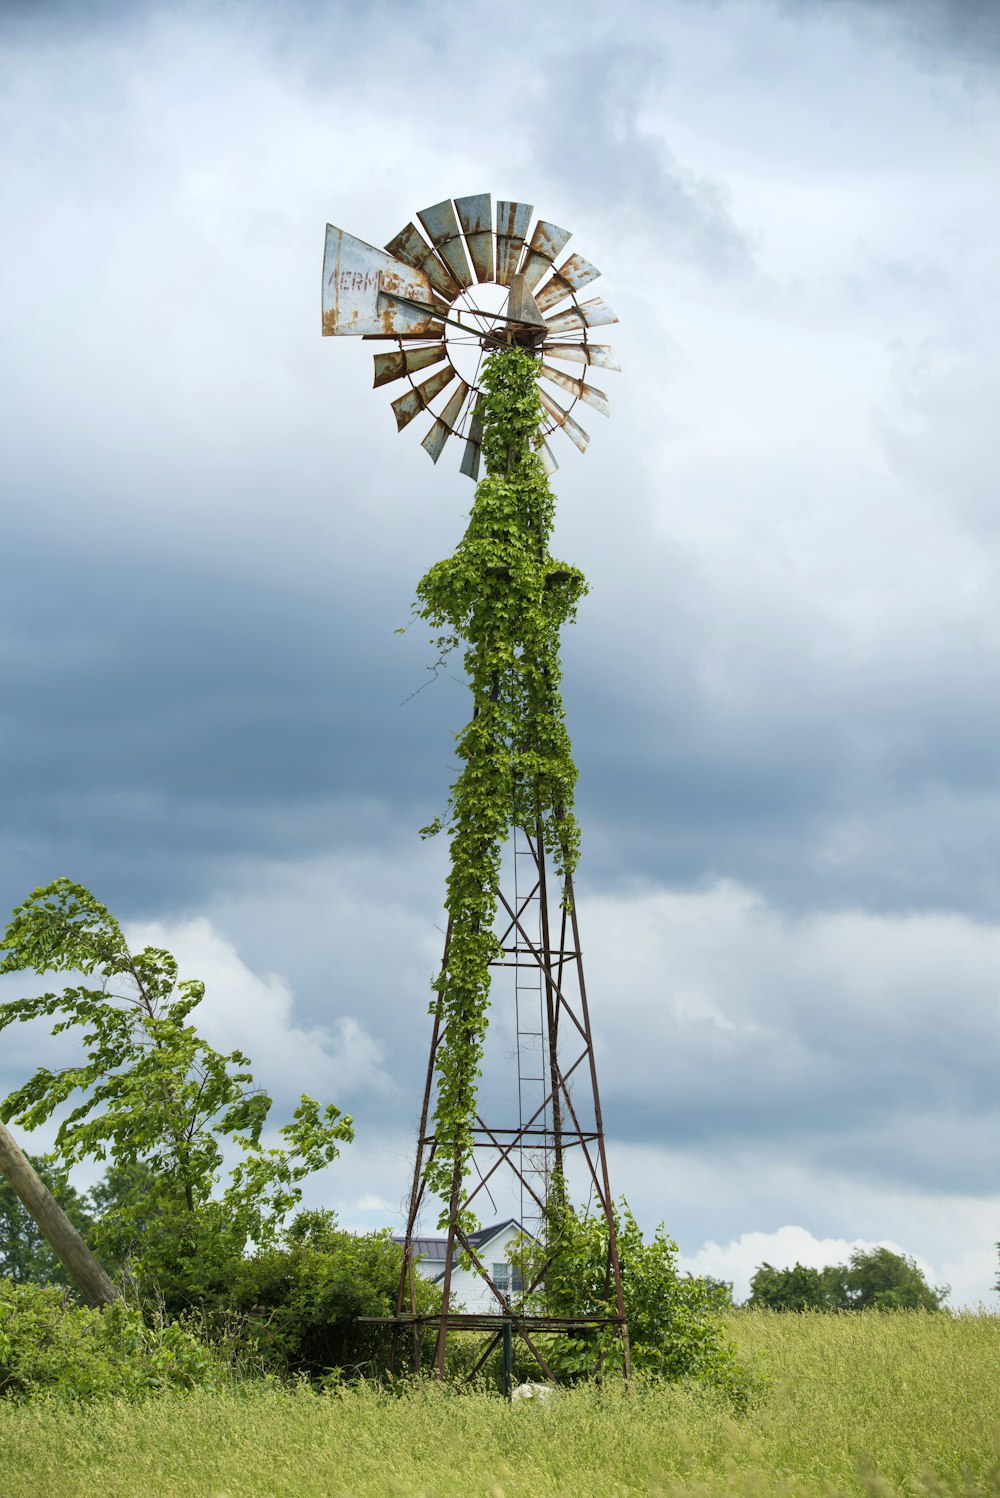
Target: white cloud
x: 336, y: 1061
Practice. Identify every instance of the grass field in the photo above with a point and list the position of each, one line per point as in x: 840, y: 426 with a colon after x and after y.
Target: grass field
x: 880, y: 1405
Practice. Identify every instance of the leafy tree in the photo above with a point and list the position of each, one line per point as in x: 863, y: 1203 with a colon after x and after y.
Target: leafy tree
x: 800, y: 1288
x: 25, y: 1256
x: 877, y: 1278
x: 720, y: 1292
x: 873, y: 1279
x: 154, y: 1098
x: 305, y: 1293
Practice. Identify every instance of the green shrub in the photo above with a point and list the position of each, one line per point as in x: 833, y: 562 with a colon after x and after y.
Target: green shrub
x: 50, y: 1345
x: 675, y: 1320
x: 303, y: 1297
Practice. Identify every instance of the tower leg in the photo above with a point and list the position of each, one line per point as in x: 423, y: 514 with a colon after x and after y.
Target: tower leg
x: 561, y: 1125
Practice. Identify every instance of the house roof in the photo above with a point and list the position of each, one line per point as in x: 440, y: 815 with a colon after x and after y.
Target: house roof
x: 434, y: 1249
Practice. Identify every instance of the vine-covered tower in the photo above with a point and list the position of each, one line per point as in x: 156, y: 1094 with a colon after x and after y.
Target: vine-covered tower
x: 504, y: 598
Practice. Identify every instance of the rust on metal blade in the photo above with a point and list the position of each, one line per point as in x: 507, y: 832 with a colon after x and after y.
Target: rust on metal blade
x: 600, y: 354
x: 434, y: 330
x: 583, y: 392
x: 549, y: 463
x: 419, y: 398
x: 546, y: 242
x: 443, y: 229
x: 389, y: 367
x: 411, y: 247
x: 576, y: 272
x: 355, y: 276
x: 453, y: 410
x: 562, y: 418
x: 473, y: 443
x: 513, y: 220
x: 593, y: 314
x: 436, y: 438
x: 475, y: 214
x: 446, y: 423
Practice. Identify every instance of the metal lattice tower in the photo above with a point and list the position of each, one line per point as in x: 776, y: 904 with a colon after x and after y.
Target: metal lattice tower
x: 427, y: 293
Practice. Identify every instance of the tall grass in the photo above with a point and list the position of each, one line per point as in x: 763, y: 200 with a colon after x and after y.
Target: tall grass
x: 901, y: 1404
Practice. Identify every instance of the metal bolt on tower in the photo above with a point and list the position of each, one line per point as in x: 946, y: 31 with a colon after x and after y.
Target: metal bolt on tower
x: 470, y: 283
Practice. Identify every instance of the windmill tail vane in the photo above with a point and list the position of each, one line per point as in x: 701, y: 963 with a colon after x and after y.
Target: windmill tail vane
x: 421, y: 292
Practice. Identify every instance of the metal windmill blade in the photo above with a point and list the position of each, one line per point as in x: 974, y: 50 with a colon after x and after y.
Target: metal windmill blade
x: 600, y: 354
x: 513, y: 220
x: 577, y: 388
x: 422, y: 293
x: 443, y: 229
x: 475, y: 214
x: 592, y: 314
x: 546, y: 242
x: 576, y: 272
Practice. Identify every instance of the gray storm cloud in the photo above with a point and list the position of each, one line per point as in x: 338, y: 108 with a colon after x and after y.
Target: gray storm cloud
x: 784, y: 680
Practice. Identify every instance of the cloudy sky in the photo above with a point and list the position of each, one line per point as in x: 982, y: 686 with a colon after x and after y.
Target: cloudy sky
x: 784, y: 687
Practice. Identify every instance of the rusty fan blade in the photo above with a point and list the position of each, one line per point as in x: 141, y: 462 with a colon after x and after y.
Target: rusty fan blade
x: 416, y: 400
x: 576, y: 272
x: 562, y: 418
x: 546, y: 242
x: 410, y: 246
x: 475, y: 214
x: 600, y: 354
x: 549, y: 463
x: 473, y: 443
x: 389, y: 367
x: 442, y: 227
x: 593, y: 314
x: 513, y: 220
x: 588, y: 393
x: 446, y: 423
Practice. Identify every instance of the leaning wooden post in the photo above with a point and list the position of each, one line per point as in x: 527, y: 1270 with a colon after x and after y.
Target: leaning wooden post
x: 36, y: 1198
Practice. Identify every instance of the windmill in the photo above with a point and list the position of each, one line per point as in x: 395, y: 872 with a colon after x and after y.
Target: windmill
x: 447, y: 295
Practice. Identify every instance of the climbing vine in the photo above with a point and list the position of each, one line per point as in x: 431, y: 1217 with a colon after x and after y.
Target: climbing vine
x: 502, y: 597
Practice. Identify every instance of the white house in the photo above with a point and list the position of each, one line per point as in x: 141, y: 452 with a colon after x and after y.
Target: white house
x: 468, y: 1289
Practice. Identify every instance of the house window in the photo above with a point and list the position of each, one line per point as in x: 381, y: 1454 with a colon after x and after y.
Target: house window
x: 507, y: 1279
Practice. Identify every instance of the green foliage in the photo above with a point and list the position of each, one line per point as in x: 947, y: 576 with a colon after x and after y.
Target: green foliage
x: 505, y: 598
x: 864, y: 1406
x: 874, y: 1279
x: 304, y: 1294
x: 879, y: 1280
x: 675, y: 1320
x: 155, y: 1098
x: 25, y: 1256
x: 49, y: 1345
x: 800, y: 1288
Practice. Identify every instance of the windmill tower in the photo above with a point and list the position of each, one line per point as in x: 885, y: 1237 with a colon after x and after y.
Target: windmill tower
x: 448, y: 298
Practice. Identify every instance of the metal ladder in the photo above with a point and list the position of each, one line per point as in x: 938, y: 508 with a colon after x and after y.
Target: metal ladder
x: 532, y: 1039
